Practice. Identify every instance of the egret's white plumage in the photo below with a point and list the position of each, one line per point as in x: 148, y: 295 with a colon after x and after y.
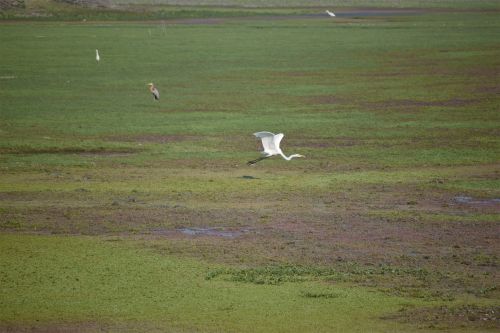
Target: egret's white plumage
x: 271, y: 144
x: 154, y: 91
x: 330, y: 13
x: 97, y: 57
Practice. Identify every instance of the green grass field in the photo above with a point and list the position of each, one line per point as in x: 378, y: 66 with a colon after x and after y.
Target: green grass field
x: 122, y: 214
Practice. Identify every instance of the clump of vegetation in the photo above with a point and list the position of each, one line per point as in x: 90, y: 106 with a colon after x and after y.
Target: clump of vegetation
x: 294, y: 273
x: 272, y: 275
x: 401, y: 281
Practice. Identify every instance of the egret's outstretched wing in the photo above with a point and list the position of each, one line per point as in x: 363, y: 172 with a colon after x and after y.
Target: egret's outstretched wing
x: 271, y: 143
x: 277, y: 140
x: 263, y: 134
x: 268, y: 144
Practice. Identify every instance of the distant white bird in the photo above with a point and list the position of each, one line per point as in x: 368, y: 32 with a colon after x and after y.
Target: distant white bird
x: 271, y: 144
x: 330, y: 13
x: 97, y: 58
x: 154, y: 91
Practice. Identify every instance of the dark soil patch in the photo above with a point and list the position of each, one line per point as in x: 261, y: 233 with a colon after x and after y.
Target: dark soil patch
x: 443, y: 317
x: 341, y: 16
x: 68, y: 150
x: 493, y: 90
x: 196, y: 21
x: 128, y: 215
x: 61, y: 328
x: 379, y: 12
x: 107, y: 154
x: 78, y: 327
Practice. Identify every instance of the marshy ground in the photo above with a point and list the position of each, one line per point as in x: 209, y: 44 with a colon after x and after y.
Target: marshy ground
x: 118, y: 213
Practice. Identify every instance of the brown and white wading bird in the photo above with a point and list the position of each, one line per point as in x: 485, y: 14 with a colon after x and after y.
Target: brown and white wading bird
x: 271, y: 145
x: 154, y: 91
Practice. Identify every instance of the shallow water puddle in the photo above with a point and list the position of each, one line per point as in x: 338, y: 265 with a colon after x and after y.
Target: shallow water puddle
x: 219, y: 232
x: 462, y: 199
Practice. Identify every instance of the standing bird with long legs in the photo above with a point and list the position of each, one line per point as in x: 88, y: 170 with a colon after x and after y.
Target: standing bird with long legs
x: 154, y: 91
x: 97, y: 57
x: 271, y: 145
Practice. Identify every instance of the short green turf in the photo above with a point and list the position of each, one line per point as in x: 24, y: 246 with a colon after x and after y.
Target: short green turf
x: 118, y: 284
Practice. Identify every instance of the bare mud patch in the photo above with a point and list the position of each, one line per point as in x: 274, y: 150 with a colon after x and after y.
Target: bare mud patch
x: 194, y: 21
x: 125, y: 216
x: 443, y: 317
x: 342, y: 17
x: 494, y: 90
x: 69, y: 150
x: 379, y: 12
x: 80, y: 327
x: 62, y: 328
x: 108, y: 154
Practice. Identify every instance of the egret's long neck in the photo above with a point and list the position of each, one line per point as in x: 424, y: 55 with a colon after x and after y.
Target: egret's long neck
x: 288, y: 158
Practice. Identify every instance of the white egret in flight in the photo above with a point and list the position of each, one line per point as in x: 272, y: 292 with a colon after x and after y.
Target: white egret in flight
x: 330, y: 13
x: 154, y: 91
x: 271, y: 144
x: 97, y: 58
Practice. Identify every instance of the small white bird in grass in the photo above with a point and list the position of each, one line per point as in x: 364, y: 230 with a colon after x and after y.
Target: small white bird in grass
x: 271, y: 144
x: 154, y: 91
x: 97, y: 58
x: 330, y: 13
